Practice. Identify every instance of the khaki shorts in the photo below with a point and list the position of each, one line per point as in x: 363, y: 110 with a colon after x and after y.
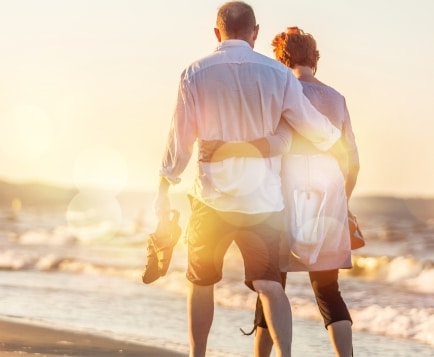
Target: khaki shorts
x: 211, y: 232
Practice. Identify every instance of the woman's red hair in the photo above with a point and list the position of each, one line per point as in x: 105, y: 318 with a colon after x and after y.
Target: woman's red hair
x: 295, y: 47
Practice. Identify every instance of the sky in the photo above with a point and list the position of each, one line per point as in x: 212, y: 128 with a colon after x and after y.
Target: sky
x: 88, y: 87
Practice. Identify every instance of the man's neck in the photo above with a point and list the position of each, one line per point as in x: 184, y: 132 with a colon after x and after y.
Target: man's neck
x: 239, y: 39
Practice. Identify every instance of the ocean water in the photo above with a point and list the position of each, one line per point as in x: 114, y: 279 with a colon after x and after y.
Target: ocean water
x: 78, y: 266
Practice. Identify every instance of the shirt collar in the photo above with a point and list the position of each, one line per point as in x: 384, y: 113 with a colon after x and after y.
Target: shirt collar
x: 233, y: 43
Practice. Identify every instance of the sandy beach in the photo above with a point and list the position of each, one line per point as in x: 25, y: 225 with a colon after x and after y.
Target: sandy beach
x: 20, y: 339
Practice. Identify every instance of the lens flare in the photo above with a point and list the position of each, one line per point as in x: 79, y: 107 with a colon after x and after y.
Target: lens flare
x: 94, y: 215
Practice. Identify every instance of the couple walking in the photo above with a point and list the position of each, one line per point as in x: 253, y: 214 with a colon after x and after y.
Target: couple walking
x: 266, y: 157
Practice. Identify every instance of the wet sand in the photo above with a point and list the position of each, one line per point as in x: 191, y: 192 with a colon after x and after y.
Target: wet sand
x: 21, y: 339
x: 18, y: 338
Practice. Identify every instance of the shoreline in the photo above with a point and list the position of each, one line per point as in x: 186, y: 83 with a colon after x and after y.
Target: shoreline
x: 20, y: 338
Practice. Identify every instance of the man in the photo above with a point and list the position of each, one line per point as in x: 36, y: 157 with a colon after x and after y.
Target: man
x: 235, y: 94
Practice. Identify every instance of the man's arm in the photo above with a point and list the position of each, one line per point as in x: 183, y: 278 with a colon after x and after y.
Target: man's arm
x: 162, y: 207
x: 301, y: 115
x: 162, y: 203
x: 272, y: 145
x: 178, y: 151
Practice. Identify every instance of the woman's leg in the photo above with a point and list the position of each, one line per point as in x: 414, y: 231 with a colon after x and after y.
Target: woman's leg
x: 341, y: 338
x: 334, y: 311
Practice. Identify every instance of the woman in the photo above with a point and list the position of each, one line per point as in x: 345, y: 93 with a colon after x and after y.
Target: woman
x: 316, y: 186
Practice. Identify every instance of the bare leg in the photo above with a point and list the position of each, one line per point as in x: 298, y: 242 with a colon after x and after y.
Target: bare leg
x: 341, y: 338
x: 263, y: 342
x: 277, y: 312
x: 200, y: 310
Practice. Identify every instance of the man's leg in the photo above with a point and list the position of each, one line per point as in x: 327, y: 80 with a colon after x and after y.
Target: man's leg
x: 277, y: 312
x: 200, y: 309
x: 208, y: 241
x: 263, y: 342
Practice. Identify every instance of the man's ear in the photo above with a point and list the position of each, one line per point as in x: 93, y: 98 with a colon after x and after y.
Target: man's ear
x: 255, y: 35
x: 217, y: 34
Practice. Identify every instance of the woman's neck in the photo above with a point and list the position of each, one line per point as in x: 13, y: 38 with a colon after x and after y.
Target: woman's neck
x: 305, y: 74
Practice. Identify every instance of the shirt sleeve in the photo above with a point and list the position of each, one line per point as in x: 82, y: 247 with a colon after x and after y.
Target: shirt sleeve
x: 349, y: 140
x: 182, y: 135
x: 305, y: 119
x: 280, y: 143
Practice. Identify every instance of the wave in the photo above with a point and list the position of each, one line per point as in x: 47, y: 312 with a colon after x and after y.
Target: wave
x: 402, y: 322
x: 406, y: 271
x: 60, y: 250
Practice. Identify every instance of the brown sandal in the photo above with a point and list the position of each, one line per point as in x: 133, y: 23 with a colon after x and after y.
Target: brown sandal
x: 160, y: 250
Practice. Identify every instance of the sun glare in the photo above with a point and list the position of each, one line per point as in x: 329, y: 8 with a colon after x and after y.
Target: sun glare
x: 100, y: 168
x: 26, y: 132
x: 100, y: 173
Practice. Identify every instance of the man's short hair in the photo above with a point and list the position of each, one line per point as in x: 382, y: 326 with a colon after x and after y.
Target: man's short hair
x: 236, y: 19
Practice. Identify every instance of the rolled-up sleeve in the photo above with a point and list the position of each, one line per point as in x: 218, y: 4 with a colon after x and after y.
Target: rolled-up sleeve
x: 280, y: 143
x: 305, y: 119
x: 182, y: 135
